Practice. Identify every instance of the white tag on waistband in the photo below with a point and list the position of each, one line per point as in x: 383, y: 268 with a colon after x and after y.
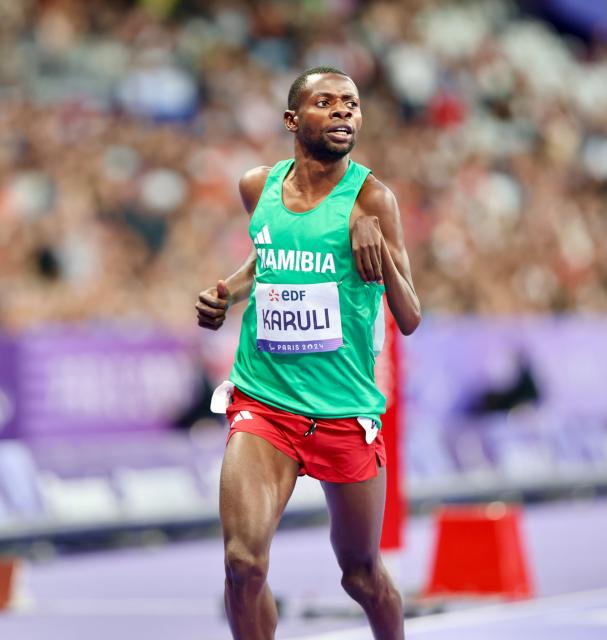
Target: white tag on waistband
x: 222, y: 397
x: 370, y: 427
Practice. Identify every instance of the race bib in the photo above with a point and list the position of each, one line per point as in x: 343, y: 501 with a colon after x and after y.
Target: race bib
x: 296, y: 318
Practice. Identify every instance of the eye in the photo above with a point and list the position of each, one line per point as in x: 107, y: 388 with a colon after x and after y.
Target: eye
x: 352, y: 104
x: 322, y: 103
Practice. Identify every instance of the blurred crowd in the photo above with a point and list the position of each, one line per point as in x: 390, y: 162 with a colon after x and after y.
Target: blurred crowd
x: 124, y: 127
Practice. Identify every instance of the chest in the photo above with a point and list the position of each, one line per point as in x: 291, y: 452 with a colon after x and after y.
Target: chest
x: 300, y: 202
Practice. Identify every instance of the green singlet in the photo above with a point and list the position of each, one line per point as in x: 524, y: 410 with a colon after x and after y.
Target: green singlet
x: 307, y: 337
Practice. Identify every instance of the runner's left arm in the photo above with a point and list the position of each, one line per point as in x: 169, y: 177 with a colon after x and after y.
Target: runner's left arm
x: 382, y: 251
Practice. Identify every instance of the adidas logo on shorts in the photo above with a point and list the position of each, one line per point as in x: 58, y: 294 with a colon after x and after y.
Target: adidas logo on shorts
x: 242, y: 415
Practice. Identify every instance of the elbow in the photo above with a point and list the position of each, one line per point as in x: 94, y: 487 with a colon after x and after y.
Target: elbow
x: 407, y: 313
x: 410, y: 324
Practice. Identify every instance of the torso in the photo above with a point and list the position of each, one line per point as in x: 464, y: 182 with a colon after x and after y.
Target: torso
x: 303, y: 244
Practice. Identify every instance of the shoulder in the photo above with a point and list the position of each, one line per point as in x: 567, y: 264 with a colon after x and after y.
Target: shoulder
x: 251, y: 185
x: 375, y: 198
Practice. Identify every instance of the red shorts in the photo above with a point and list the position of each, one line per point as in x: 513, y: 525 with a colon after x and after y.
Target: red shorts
x: 334, y: 451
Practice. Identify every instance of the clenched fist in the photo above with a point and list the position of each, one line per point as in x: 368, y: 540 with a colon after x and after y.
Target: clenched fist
x: 366, y: 239
x: 212, y: 306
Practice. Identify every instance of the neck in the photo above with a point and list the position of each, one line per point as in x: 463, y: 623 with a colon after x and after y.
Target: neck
x: 310, y: 173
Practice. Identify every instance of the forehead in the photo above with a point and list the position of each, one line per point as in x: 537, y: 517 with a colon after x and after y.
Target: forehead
x: 329, y: 83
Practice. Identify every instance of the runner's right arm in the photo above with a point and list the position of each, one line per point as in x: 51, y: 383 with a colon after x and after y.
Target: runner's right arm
x: 214, y: 302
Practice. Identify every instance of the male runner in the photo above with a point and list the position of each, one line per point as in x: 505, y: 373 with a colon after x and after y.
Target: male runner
x: 328, y: 242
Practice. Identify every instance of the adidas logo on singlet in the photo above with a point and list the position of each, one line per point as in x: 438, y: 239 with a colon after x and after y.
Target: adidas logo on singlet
x: 263, y: 237
x: 290, y: 259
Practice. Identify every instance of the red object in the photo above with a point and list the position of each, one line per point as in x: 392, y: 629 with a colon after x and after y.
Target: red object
x: 388, y: 375
x: 7, y: 576
x: 334, y: 449
x: 479, y: 550
x: 447, y: 111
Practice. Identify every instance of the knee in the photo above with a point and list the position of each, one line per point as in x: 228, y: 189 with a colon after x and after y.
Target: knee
x: 360, y: 580
x: 243, y: 566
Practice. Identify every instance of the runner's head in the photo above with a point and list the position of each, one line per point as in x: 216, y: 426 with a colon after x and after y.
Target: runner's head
x: 324, y: 112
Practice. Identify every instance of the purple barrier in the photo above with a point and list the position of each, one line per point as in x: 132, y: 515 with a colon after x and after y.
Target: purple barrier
x: 451, y: 361
x: 523, y: 396
x: 468, y: 380
x: 86, y: 381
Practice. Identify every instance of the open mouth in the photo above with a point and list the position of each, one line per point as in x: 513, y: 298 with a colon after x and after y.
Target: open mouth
x: 340, y: 132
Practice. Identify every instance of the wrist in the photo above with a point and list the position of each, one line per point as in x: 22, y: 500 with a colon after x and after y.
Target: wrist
x: 230, y: 296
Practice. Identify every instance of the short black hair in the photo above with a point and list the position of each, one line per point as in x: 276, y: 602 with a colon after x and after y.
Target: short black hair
x: 300, y: 82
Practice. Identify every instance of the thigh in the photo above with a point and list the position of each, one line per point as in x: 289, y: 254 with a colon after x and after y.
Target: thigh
x: 256, y: 482
x: 356, y: 511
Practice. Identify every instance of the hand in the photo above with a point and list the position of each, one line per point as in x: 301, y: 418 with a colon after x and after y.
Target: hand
x: 366, y: 239
x: 212, y: 306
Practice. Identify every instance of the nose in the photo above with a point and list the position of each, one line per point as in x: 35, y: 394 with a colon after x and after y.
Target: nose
x: 342, y: 112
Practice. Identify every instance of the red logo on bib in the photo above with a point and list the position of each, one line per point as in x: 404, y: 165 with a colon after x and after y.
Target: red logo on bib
x: 273, y: 295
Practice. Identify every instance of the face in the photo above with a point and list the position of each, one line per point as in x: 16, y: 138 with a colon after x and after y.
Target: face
x: 328, y: 119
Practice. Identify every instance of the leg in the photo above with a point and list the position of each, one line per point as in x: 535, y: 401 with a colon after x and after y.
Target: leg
x: 356, y: 511
x: 256, y: 483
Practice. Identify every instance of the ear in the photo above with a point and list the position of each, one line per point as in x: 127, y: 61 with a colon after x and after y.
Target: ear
x: 291, y: 121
